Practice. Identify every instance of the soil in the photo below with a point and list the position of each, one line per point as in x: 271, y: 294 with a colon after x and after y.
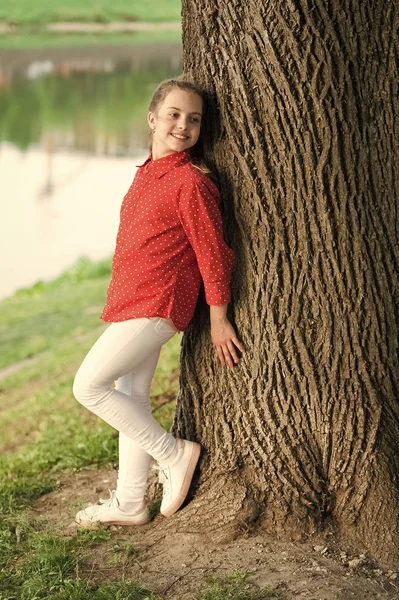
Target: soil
x: 176, y: 565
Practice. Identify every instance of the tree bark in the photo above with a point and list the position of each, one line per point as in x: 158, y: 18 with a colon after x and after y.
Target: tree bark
x: 304, y: 135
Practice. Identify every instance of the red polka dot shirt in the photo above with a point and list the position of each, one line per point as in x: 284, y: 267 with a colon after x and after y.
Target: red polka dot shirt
x: 170, y: 237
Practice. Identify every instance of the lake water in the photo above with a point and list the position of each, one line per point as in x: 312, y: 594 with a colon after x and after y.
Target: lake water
x: 72, y: 131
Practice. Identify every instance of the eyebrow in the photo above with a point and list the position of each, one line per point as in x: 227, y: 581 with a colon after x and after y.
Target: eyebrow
x: 193, y: 113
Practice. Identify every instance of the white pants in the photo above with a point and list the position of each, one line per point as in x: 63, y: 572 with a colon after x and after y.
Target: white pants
x: 127, y: 353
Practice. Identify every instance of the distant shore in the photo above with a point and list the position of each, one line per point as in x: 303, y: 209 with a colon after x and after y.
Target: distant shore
x: 82, y: 27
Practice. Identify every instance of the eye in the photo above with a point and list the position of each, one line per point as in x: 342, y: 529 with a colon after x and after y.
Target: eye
x: 195, y: 120
x: 173, y: 114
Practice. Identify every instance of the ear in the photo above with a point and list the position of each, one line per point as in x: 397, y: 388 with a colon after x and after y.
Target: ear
x: 151, y: 118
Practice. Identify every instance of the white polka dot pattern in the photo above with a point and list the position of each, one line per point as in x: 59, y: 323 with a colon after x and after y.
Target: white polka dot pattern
x: 170, y: 235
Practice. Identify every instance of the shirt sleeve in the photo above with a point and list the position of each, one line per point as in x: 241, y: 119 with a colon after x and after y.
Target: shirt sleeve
x: 202, y: 222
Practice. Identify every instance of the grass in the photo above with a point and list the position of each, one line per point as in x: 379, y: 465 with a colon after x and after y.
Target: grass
x: 46, y: 435
x: 234, y: 587
x: 43, y: 565
x: 53, y: 324
x: 43, y: 317
x: 58, y: 567
x: 43, y: 40
x: 26, y: 12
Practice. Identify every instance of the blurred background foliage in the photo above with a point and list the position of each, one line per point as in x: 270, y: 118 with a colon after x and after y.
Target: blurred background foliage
x: 101, y: 102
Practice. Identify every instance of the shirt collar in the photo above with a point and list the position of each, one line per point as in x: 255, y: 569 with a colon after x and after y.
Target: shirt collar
x: 160, y: 166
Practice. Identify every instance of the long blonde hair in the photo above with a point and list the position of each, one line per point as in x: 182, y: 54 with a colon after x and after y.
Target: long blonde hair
x: 163, y: 89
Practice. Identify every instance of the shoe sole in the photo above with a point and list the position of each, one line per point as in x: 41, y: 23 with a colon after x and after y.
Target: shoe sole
x: 196, y: 451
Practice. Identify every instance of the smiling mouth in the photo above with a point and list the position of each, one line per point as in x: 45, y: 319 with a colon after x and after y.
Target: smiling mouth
x: 181, y: 138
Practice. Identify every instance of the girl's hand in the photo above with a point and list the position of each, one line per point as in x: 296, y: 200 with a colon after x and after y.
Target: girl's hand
x: 224, y: 337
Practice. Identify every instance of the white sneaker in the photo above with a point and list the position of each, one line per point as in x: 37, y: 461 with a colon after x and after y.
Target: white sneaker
x: 107, y: 512
x: 176, y: 476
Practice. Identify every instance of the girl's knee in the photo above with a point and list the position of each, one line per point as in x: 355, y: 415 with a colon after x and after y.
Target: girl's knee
x: 79, y: 389
x: 84, y: 391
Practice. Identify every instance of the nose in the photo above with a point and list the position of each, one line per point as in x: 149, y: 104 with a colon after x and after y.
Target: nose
x: 182, y: 124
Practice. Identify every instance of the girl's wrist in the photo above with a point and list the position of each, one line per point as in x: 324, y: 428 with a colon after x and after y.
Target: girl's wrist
x: 218, y: 313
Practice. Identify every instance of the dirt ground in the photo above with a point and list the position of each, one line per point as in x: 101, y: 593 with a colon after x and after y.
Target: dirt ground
x: 176, y: 565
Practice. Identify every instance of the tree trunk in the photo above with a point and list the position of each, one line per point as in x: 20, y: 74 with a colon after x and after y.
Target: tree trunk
x: 304, y: 431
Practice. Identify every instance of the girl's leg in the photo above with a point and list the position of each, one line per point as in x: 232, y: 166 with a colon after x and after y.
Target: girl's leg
x: 124, y: 347
x: 134, y: 462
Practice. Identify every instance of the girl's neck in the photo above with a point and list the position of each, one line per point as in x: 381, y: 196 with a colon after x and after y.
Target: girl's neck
x: 157, y: 155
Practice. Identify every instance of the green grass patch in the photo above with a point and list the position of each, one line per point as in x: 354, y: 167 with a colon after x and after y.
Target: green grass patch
x: 46, y: 435
x: 234, y: 587
x: 42, y: 317
x: 41, y: 39
x: 25, y: 12
x: 54, y: 324
x: 46, y: 566
x: 45, y: 432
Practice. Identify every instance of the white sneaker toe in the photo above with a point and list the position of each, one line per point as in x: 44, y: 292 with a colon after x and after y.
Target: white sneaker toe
x: 108, y: 512
x: 176, y: 477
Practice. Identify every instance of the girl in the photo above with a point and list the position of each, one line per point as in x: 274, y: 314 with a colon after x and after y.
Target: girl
x: 170, y: 236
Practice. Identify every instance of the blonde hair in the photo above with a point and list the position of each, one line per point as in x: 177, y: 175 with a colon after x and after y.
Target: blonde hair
x: 163, y: 89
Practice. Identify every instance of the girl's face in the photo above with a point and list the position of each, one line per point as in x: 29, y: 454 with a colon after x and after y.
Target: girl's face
x: 176, y: 124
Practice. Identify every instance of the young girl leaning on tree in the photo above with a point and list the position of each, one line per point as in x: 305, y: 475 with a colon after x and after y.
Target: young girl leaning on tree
x: 170, y: 236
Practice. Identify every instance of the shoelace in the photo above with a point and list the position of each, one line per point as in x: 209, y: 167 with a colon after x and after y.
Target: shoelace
x: 110, y: 500
x: 95, y: 509
x: 163, y: 479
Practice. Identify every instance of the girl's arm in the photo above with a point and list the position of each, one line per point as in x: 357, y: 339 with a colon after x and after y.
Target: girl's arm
x: 224, y: 337
x: 202, y: 223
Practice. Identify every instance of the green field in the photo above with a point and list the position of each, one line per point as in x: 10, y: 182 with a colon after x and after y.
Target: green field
x: 46, y: 435
x: 26, y: 12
